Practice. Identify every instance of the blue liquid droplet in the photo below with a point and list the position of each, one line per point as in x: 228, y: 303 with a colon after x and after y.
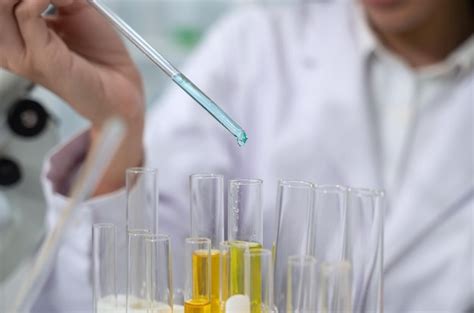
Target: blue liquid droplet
x: 242, y: 139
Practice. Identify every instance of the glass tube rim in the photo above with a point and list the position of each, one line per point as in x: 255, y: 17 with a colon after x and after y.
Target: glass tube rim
x: 366, y: 192
x: 331, y: 189
x: 297, y: 184
x: 227, y: 244
x: 206, y: 176
x: 246, y: 181
x: 103, y: 226
x: 158, y: 238
x: 141, y: 170
x: 139, y: 233
x: 302, y: 259
x: 198, y: 241
x: 258, y: 252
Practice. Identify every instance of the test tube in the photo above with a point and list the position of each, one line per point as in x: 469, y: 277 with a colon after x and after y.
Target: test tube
x: 198, y: 267
x: 142, y: 199
x: 245, y: 214
x: 335, y: 294
x: 259, y: 280
x: 158, y: 274
x: 137, y: 293
x: 207, y: 207
x: 295, y: 210
x: 364, y: 247
x: 329, y: 223
x: 207, y: 220
x: 301, y: 285
x: 104, y: 269
x: 232, y: 275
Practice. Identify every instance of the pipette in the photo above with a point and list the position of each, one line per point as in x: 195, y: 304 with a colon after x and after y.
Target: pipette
x: 181, y: 80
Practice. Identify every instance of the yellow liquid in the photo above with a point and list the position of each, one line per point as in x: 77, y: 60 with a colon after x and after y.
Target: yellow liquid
x: 234, y: 285
x: 197, y: 306
x: 200, y: 286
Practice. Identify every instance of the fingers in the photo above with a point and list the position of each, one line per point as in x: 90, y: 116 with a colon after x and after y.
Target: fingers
x: 24, y: 32
x: 11, y: 42
x: 31, y: 24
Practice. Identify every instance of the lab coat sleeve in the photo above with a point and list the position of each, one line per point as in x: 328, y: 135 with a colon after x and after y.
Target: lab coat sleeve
x: 180, y: 139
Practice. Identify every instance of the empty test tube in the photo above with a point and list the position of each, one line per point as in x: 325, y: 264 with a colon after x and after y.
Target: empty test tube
x: 142, y: 199
x: 245, y: 213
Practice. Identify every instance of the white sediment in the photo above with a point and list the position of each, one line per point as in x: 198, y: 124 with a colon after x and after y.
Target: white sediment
x: 237, y: 304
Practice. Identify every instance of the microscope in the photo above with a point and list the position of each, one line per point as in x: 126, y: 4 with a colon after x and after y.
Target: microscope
x: 27, y: 132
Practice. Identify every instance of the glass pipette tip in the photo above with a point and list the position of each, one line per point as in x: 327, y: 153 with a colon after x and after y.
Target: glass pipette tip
x: 181, y: 80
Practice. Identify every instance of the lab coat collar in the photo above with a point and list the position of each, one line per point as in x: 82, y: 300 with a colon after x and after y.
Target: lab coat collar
x: 366, y: 40
x: 460, y: 61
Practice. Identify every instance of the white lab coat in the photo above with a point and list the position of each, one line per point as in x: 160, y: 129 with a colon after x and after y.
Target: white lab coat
x: 295, y: 80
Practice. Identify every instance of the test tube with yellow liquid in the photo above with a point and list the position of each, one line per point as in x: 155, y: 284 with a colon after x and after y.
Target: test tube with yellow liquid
x: 198, y: 273
x: 258, y: 267
x: 245, y: 233
x: 207, y: 220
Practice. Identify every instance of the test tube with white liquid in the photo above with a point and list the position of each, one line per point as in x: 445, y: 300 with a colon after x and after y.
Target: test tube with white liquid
x: 104, y: 269
x: 159, y: 278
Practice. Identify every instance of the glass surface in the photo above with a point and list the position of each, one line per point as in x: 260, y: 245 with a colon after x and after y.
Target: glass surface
x: 142, y: 199
x: 295, y: 209
x: 364, y: 247
x: 104, y: 267
x: 348, y: 226
x: 245, y: 213
x: 197, y: 289
x: 335, y: 294
x: 207, y: 207
x: 159, y: 273
x: 301, y: 296
x: 329, y: 222
x: 232, y: 274
x: 207, y: 220
x: 137, y: 297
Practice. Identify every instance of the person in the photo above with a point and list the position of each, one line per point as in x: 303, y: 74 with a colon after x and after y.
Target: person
x: 372, y: 93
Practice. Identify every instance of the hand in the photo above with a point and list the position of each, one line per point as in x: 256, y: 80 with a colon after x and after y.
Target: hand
x: 78, y: 56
